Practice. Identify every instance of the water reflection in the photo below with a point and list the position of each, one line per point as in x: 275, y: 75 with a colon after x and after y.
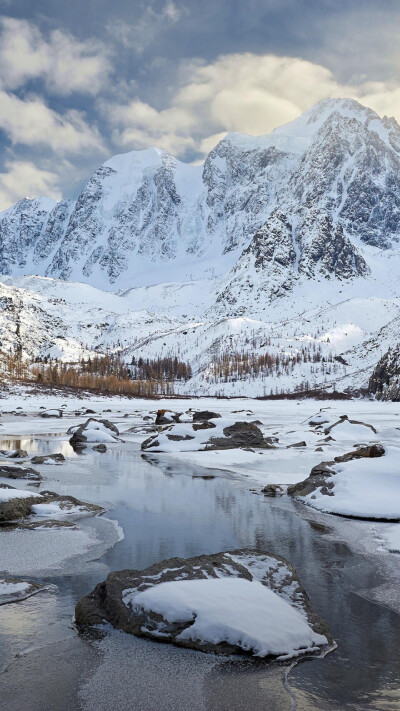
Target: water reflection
x: 167, y: 510
x: 34, y: 445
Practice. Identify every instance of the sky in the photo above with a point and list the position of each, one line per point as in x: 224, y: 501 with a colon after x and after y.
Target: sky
x: 82, y: 81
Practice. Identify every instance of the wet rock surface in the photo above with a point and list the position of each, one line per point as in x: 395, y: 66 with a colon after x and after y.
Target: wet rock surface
x: 272, y: 490
x: 102, y: 448
x: 14, y: 453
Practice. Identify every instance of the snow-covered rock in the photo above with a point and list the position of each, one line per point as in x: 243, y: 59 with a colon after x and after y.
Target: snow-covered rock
x: 236, y: 602
x: 13, y: 590
x: 93, y: 431
x: 18, y: 471
x: 213, y: 433
x: 362, y: 484
x: 17, y: 503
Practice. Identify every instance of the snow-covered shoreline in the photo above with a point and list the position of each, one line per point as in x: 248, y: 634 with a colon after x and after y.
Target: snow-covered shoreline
x: 285, y: 465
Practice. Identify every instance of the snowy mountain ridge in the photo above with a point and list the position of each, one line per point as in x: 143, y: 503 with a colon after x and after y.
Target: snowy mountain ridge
x: 287, y: 243
x: 144, y: 216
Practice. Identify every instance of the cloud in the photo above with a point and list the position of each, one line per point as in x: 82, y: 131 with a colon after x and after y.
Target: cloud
x: 254, y: 94
x: 243, y: 92
x: 147, y: 26
x: 140, y: 125
x: 32, y: 123
x: 65, y: 64
x: 239, y: 92
x: 24, y: 179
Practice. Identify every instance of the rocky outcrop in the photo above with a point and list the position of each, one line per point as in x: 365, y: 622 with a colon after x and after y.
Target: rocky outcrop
x: 113, y: 600
x: 209, y: 434
x: 19, y: 471
x: 14, y: 453
x: 165, y: 417
x: 293, y: 245
x: 205, y: 415
x: 322, y: 475
x: 240, y: 434
x: 20, y: 507
x: 384, y: 382
x: 333, y: 175
x: 92, y: 431
x: 57, y: 458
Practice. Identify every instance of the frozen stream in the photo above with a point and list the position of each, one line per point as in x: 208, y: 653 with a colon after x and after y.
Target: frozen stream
x: 169, y: 508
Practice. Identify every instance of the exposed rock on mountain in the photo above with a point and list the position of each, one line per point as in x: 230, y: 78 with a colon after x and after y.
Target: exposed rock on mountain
x: 286, y: 249
x: 385, y: 379
x: 284, y: 245
x: 334, y: 174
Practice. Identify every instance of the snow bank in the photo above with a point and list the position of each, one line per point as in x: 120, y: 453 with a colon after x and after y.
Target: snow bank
x: 364, y: 488
x: 12, y: 588
x: 9, y: 494
x: 389, y: 537
x: 233, y: 610
x: 94, y: 434
x: 57, y: 509
x: 355, y: 432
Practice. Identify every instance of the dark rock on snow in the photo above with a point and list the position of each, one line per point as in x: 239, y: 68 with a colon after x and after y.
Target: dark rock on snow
x: 204, y: 415
x: 19, y: 471
x: 321, y: 476
x: 21, y: 507
x: 48, y: 458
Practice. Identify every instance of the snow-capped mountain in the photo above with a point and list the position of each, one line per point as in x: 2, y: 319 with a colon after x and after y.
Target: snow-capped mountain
x: 144, y: 216
x: 260, y: 240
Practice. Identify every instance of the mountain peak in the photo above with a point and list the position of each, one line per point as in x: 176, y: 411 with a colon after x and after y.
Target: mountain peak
x: 137, y: 160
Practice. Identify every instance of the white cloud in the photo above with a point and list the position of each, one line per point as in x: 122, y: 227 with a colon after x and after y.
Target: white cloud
x: 238, y: 92
x: 254, y: 94
x: 32, y: 123
x: 24, y: 179
x: 65, y: 64
x: 146, y: 28
x: 139, y: 125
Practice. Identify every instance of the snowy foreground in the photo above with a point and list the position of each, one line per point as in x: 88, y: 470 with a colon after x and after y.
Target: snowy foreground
x: 303, y: 434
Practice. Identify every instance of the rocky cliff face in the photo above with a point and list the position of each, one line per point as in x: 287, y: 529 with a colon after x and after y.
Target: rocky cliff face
x: 385, y: 379
x: 293, y: 205
x: 287, y: 250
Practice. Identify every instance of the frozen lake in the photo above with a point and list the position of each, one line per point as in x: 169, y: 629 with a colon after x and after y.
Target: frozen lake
x: 160, y: 506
